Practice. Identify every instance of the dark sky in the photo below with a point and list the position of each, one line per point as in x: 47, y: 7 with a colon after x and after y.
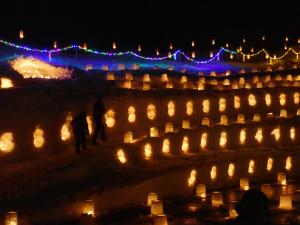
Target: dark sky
x: 153, y: 23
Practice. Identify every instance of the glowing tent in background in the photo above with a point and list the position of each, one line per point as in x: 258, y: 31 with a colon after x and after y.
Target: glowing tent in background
x: 30, y: 67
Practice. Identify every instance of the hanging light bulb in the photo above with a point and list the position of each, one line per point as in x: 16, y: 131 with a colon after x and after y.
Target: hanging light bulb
x: 252, y: 50
x: 193, y: 43
x: 227, y: 45
x: 263, y: 38
x: 114, y: 45
x: 244, y: 40
x: 21, y: 34
x: 286, y: 39
x: 139, y: 48
x: 193, y: 55
x: 285, y: 47
x: 54, y: 44
x: 213, y: 42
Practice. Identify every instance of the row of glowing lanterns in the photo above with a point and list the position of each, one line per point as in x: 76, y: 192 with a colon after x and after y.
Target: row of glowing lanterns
x: 185, y: 145
x: 252, y: 101
x: 156, y: 205
x: 7, y: 139
x: 193, y: 43
x: 241, y: 83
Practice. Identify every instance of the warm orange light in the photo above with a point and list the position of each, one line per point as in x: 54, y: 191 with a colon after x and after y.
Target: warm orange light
x: 201, y: 190
x: 237, y: 102
x: 292, y: 133
x: 11, y: 218
x: 21, y: 34
x: 205, y: 106
x: 205, y: 121
x: 216, y: 198
x: 166, y: 146
x: 252, y: 100
x: 244, y: 183
x: 203, y: 141
x: 270, y: 164
x: 230, y: 170
x: 110, y: 118
x: 185, y: 144
x: 251, y: 167
x: 223, y: 139
x: 240, y: 118
x: 88, y: 208
x: 121, y: 156
x: 7, y: 142
x: 285, y: 201
x: 65, y: 132
x: 243, y: 136
x: 268, y: 99
x: 38, y: 138
x: 186, y: 124
x: 213, y: 173
x: 192, y: 178
x: 151, y: 197
x: 281, y: 178
x: 259, y: 135
x: 114, y: 45
x: 128, y: 137
x: 147, y: 151
x: 164, y: 77
x: 151, y: 111
x: 6, y: 83
x: 157, y: 207
x: 153, y: 132
x: 296, y: 98
x: 222, y: 104
x: 282, y: 99
x: 131, y: 114
x: 276, y: 133
x: 189, y: 108
x: 224, y: 120
x: 256, y: 117
x: 169, y: 128
x: 288, y: 163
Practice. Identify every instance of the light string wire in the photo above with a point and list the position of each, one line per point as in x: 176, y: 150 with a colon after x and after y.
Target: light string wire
x: 173, y: 55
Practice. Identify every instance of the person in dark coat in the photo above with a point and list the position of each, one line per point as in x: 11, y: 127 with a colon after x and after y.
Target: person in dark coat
x: 80, y: 130
x: 98, y: 113
x: 252, y: 209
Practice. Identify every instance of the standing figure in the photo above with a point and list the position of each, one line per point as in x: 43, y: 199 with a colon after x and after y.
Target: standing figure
x: 80, y: 130
x: 98, y: 113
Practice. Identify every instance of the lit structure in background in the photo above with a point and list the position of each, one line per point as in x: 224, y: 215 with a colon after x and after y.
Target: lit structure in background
x: 30, y: 67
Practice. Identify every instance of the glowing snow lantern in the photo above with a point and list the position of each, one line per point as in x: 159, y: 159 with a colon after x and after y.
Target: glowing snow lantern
x: 147, y: 151
x: 151, y: 197
x: 292, y: 133
x: 110, y: 76
x: 166, y: 146
x: 185, y: 144
x: 164, y: 77
x: 21, y: 34
x: 259, y: 84
x: 171, y: 108
x: 146, y: 77
x: 169, y: 85
x: 88, y: 208
x: 243, y: 136
x: 128, y: 137
x: 157, y: 52
x: 169, y: 128
x: 289, y: 77
x: 146, y: 86
x: 252, y: 100
x: 205, y: 106
x: 183, y: 79
x: 38, y: 138
x: 296, y: 98
x: 5, y: 83
x: 259, y: 135
x: 114, y: 45
x: 216, y: 198
x: 232, y: 212
x: 278, y: 77
x: 7, y: 142
x: 153, y: 132
x: 282, y: 99
x: 127, y: 84
x: 203, y: 141
x: 189, y: 108
x: 237, y: 102
x: 267, y: 78
x: 193, y: 43
x: 222, y: 104
x: 270, y: 164
x: 157, y: 207
x: 121, y: 156
x: 251, y: 167
x: 65, y: 132
x: 255, y: 79
x: 230, y: 170
x: 160, y: 220
x: 226, y: 82
x: 90, y: 124
x: 224, y: 120
x: 192, y: 178
x: 131, y: 114
x: 268, y: 99
x: 276, y: 133
x: 151, y: 112
x: 213, y: 41
x: 223, y: 139
x: 244, y: 183
x: 211, y: 54
x: 205, y: 121
x: 298, y: 112
x: 256, y: 117
x: 283, y: 113
x: 11, y: 218
x: 128, y: 76
x: 200, y: 86
x: 55, y: 44
x: 139, y: 48
x: 285, y: 201
x: 288, y: 163
x: 186, y: 124
x: 110, y: 118
x: 201, y: 190
x: 281, y: 178
x: 242, y: 81
x: 213, y: 173
x: 240, y: 118
x: 228, y: 72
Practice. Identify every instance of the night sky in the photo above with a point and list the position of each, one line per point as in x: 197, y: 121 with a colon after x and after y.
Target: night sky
x: 151, y: 23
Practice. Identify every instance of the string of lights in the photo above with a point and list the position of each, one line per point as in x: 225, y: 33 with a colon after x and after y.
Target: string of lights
x: 169, y: 56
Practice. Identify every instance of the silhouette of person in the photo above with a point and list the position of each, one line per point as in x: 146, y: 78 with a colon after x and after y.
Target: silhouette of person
x: 80, y: 130
x: 253, y: 208
x: 98, y: 112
